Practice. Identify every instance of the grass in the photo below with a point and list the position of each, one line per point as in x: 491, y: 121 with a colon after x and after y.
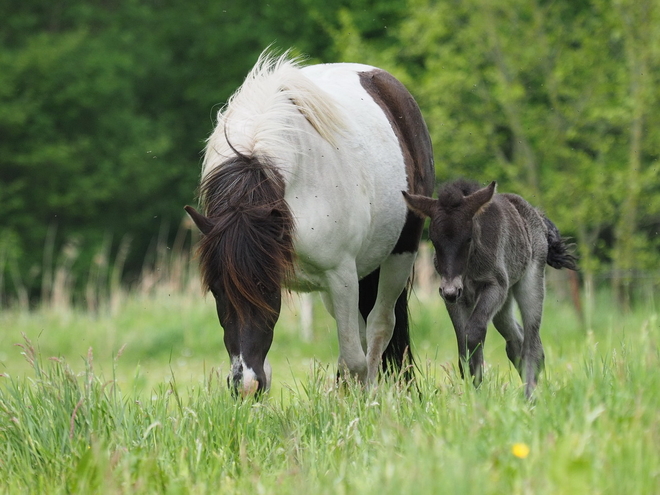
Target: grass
x: 156, y: 417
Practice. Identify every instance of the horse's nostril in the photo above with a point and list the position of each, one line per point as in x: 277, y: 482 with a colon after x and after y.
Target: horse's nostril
x: 459, y: 291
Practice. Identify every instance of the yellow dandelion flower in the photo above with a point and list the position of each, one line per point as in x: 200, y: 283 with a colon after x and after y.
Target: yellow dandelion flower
x: 520, y: 450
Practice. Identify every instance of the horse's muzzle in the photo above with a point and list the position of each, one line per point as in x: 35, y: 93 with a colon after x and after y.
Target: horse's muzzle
x: 243, y: 381
x: 241, y: 388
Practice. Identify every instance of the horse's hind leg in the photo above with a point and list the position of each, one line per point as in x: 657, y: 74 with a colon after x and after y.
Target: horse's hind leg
x: 368, y: 291
x: 506, y: 324
x: 394, y: 274
x: 529, y: 293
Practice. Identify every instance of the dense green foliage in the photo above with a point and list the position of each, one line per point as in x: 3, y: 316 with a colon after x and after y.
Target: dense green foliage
x: 88, y: 421
x: 555, y: 100
x: 104, y: 108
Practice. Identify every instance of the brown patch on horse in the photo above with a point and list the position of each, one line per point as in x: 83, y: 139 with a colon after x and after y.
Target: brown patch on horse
x: 408, y: 125
x: 249, y: 251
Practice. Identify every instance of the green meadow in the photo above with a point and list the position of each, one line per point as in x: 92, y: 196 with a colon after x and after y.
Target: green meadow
x: 132, y: 398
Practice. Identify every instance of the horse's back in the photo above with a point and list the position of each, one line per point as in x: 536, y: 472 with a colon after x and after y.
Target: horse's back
x: 358, y: 211
x: 396, y: 104
x: 346, y: 139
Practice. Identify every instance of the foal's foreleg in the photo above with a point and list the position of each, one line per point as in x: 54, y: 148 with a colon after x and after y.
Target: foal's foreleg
x: 489, y: 301
x: 459, y: 315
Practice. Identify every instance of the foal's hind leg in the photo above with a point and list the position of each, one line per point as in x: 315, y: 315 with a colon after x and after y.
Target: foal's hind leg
x: 506, y: 324
x: 529, y: 293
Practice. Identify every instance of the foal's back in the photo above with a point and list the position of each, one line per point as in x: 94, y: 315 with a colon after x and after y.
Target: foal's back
x: 534, y: 229
x: 512, y: 237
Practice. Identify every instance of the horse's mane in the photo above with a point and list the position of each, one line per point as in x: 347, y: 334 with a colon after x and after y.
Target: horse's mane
x: 250, y: 248
x: 258, y: 117
x: 452, y: 193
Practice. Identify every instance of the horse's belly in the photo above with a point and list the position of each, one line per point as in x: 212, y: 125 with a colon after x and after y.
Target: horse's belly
x: 331, y: 238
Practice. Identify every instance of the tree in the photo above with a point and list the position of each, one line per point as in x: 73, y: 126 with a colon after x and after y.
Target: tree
x: 549, y: 98
x: 104, y: 109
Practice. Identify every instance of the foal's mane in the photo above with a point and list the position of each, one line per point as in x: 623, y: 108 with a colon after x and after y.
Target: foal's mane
x: 250, y: 248
x: 452, y: 193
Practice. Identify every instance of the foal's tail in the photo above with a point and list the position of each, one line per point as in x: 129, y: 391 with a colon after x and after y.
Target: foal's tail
x: 559, y: 254
x: 397, y: 358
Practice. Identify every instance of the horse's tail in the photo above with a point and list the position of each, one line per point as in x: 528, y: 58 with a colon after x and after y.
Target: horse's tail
x: 397, y: 358
x: 559, y: 252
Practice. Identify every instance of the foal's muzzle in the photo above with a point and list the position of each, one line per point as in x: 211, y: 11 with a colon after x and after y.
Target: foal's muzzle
x: 451, y: 291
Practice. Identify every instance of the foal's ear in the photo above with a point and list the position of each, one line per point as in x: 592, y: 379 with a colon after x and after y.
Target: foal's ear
x: 422, y: 205
x: 478, y: 200
x: 203, y: 223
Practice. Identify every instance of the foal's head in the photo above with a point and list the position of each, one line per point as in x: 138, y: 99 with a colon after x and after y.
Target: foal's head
x: 452, y: 224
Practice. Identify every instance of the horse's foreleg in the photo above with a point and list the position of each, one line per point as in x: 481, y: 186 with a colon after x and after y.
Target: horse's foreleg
x: 342, y: 303
x: 394, y: 274
x: 489, y: 301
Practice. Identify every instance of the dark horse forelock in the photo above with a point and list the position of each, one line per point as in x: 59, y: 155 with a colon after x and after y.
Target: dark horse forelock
x: 249, y: 251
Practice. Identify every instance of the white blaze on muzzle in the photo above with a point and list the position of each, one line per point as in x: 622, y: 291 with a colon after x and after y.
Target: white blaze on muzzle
x: 249, y: 383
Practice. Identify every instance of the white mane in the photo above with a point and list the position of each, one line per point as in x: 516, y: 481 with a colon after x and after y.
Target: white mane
x: 257, y: 117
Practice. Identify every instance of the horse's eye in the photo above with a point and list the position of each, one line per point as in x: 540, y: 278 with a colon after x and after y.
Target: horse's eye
x: 260, y: 285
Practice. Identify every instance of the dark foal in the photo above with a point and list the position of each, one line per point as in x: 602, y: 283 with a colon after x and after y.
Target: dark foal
x: 491, y: 249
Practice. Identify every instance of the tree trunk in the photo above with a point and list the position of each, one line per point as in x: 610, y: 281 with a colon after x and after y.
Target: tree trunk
x: 637, y: 31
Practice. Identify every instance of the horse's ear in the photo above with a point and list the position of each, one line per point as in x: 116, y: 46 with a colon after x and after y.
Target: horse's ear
x: 203, y: 223
x: 422, y: 205
x: 479, y: 200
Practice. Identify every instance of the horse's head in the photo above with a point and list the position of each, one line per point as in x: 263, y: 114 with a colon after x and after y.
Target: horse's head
x: 246, y: 252
x: 452, y: 223
x: 248, y: 335
x: 247, y: 301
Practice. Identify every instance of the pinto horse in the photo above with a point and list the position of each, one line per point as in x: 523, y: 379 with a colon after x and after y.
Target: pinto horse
x: 301, y: 189
x: 491, y: 249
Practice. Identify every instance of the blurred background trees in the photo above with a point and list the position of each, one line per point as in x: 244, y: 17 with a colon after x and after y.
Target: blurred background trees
x: 105, y: 106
